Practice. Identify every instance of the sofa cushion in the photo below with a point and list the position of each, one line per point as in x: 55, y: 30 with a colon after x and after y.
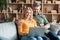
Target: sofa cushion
x: 8, y: 31
x: 55, y: 28
x: 59, y: 36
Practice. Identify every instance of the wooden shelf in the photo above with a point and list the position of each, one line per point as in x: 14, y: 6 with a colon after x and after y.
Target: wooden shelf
x: 51, y: 13
x: 14, y: 3
x: 20, y: 3
x: 51, y: 6
x: 2, y: 12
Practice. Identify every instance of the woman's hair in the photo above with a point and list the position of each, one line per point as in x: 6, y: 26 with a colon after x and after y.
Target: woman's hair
x: 26, y: 9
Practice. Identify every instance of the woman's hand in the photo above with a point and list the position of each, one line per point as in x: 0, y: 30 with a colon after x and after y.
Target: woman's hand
x: 19, y: 22
x: 23, y: 33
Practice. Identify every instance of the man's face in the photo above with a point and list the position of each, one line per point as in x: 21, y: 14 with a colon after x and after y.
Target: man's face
x: 36, y: 9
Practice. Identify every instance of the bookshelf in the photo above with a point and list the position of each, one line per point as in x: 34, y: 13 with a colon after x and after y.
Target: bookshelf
x: 50, y: 8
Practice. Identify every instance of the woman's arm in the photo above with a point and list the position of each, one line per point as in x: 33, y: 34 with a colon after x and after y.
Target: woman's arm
x: 23, y: 28
x: 19, y: 23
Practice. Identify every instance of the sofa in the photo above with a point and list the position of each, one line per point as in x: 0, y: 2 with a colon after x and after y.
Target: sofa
x: 8, y: 31
x: 55, y: 28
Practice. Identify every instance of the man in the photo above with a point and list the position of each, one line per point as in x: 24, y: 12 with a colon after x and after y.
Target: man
x: 39, y: 17
x: 42, y: 21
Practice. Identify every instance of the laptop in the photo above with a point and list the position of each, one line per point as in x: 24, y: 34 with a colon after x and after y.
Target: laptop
x: 36, y: 31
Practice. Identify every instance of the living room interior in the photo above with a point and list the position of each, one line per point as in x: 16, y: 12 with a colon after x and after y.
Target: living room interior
x: 10, y: 10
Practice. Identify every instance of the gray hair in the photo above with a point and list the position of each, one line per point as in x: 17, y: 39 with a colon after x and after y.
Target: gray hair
x: 36, y: 5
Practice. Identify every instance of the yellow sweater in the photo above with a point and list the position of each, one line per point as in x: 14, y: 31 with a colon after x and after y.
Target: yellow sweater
x: 24, y: 26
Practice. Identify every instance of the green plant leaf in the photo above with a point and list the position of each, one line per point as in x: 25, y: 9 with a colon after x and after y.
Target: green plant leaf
x: 3, y: 4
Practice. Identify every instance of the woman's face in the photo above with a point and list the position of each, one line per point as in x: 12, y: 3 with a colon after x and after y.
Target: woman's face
x: 28, y: 14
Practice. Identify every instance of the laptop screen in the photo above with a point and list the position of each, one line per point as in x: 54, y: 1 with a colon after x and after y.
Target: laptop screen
x: 36, y: 31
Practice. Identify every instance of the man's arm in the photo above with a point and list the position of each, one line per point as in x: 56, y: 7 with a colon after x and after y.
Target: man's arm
x: 46, y: 23
x: 45, y: 20
x: 47, y: 26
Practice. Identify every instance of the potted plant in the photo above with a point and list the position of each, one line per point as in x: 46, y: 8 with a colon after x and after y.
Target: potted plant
x: 3, y: 4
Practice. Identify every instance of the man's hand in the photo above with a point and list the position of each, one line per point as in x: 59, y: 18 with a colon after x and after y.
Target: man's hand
x: 47, y: 26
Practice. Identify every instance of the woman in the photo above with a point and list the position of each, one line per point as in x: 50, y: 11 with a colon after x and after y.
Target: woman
x: 25, y: 23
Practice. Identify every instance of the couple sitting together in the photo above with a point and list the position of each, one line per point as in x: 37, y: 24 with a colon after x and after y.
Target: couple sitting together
x: 32, y: 18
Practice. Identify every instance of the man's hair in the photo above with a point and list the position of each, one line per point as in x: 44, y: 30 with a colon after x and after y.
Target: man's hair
x: 36, y: 4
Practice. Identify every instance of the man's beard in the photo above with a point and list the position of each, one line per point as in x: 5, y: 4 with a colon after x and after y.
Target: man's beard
x: 35, y: 12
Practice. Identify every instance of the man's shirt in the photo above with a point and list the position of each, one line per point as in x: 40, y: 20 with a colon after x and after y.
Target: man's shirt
x: 40, y: 19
